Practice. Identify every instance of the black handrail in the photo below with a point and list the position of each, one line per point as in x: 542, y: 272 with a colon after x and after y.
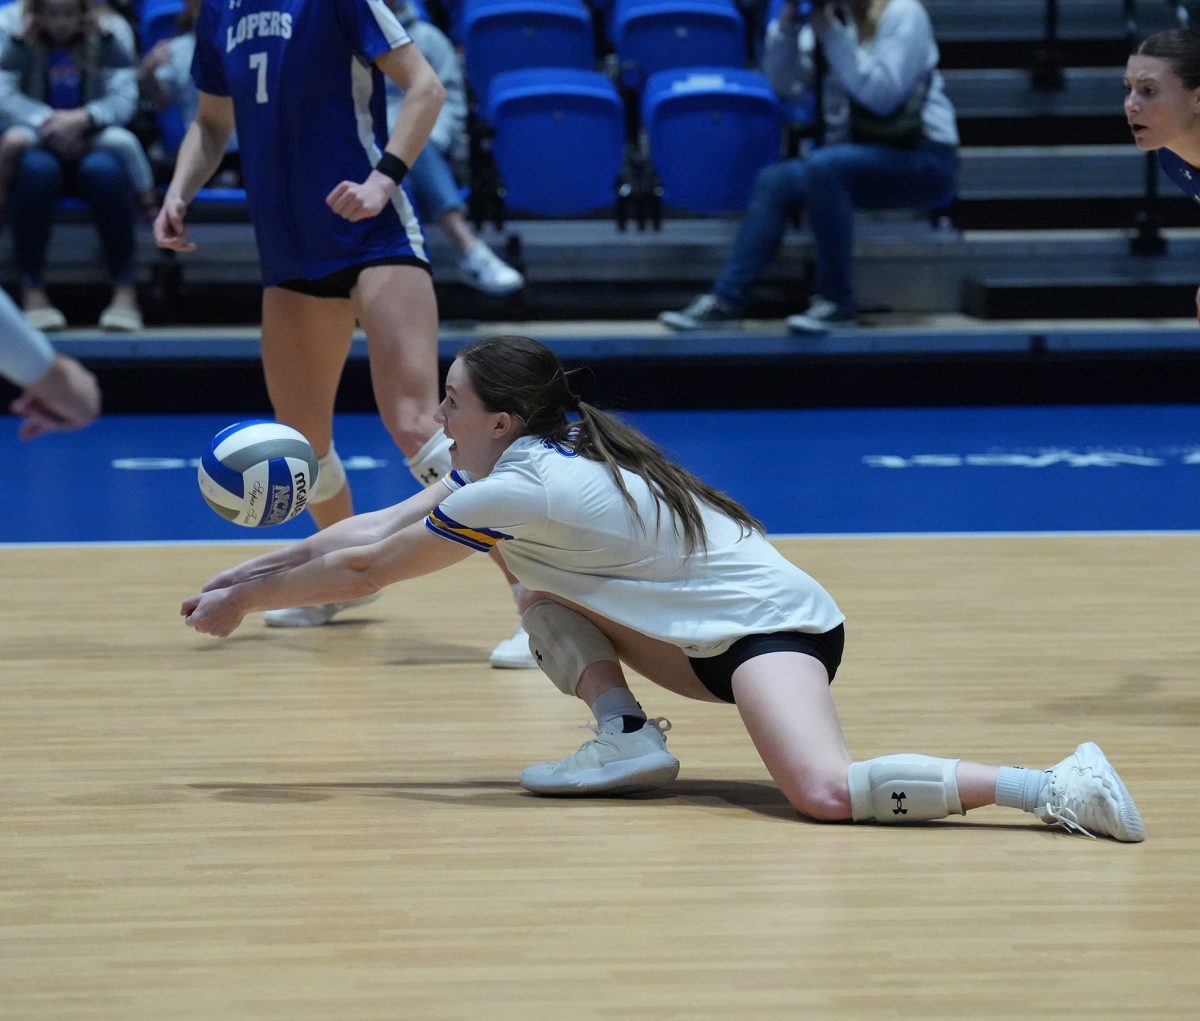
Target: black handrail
x: 1047, y: 74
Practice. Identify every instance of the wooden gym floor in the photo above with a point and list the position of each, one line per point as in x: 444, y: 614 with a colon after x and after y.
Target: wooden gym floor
x: 327, y: 825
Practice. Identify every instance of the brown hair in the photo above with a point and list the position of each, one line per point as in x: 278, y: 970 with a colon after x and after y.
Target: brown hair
x: 1180, y: 48
x: 524, y: 378
x: 32, y: 7
x: 89, y: 16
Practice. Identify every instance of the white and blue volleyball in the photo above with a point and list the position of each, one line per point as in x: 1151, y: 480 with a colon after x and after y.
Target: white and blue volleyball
x: 258, y: 473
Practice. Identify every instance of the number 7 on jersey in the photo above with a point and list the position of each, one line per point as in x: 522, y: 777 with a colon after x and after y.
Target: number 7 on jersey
x: 258, y: 62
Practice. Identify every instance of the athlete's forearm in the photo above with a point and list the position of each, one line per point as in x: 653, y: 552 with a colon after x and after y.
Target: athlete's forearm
x: 200, y: 155
x: 418, y: 113
x: 361, y: 530
x: 424, y: 97
x: 333, y: 577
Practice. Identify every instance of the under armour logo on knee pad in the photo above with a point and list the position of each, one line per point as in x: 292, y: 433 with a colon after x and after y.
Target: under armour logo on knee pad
x: 899, y: 799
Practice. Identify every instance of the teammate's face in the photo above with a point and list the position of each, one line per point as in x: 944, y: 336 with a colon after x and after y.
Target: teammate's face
x: 1160, y: 109
x: 479, y: 436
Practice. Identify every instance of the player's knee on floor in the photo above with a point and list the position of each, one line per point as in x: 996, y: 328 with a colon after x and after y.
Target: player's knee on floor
x: 904, y: 788
x: 331, y: 477
x: 825, y: 799
x: 565, y: 643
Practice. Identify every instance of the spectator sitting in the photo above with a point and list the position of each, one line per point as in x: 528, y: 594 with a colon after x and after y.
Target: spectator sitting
x: 67, y: 87
x: 890, y: 142
x: 431, y: 180
x: 121, y: 143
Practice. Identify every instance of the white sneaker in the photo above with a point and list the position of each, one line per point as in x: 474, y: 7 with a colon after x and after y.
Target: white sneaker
x: 513, y: 653
x: 312, y: 616
x: 820, y: 317
x: 484, y: 270
x: 1084, y: 794
x: 611, y: 763
x: 701, y: 313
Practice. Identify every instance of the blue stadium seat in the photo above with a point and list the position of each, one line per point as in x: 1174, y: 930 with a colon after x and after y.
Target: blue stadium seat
x: 159, y: 20
x: 508, y: 35
x: 656, y: 35
x: 559, y: 139
x: 711, y: 130
x: 171, y: 129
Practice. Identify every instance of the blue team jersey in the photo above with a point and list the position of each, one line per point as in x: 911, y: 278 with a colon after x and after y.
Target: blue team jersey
x: 311, y: 112
x: 1181, y: 172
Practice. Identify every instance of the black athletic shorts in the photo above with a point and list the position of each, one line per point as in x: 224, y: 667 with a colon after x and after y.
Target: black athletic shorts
x: 340, y: 282
x: 716, y: 672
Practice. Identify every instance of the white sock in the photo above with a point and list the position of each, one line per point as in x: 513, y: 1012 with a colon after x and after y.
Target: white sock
x: 615, y: 704
x: 1017, y: 787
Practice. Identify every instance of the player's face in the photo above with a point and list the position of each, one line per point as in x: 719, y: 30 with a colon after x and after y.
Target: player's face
x: 1160, y: 109
x: 479, y: 436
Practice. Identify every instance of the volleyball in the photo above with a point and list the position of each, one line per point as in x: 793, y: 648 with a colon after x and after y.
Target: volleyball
x: 258, y: 473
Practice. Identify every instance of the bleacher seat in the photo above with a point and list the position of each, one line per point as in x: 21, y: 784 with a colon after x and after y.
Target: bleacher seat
x: 159, y: 20
x: 171, y: 129
x: 508, y: 35
x: 711, y: 130
x: 655, y: 35
x: 559, y: 139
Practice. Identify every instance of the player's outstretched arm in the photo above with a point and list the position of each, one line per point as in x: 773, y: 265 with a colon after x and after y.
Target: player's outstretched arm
x: 339, y: 576
x: 360, y: 530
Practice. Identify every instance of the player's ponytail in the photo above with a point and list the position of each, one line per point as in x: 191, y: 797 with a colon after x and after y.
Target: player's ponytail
x: 526, y: 379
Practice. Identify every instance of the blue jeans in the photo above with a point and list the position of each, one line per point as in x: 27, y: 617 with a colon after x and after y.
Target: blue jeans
x: 100, y: 180
x: 432, y: 185
x: 831, y: 183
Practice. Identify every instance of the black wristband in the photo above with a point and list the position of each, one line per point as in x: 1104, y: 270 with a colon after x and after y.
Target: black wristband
x: 392, y: 166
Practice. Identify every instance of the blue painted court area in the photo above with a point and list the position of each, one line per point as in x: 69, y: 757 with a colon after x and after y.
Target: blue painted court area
x: 1136, y: 468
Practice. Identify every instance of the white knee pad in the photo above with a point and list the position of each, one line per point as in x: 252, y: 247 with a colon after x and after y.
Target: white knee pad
x: 331, y: 477
x: 432, y: 461
x: 904, y: 788
x: 565, y: 643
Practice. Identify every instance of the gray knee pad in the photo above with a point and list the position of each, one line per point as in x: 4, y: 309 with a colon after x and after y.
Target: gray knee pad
x: 904, y: 788
x: 565, y: 643
x: 331, y: 477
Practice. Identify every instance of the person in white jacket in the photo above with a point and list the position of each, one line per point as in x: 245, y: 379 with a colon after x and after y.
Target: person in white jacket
x: 67, y: 88
x: 889, y: 141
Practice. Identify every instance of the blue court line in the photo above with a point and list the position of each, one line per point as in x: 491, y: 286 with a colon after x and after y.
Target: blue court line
x: 927, y: 471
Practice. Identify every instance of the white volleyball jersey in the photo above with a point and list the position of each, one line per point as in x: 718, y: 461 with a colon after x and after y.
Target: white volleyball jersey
x: 567, y: 530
